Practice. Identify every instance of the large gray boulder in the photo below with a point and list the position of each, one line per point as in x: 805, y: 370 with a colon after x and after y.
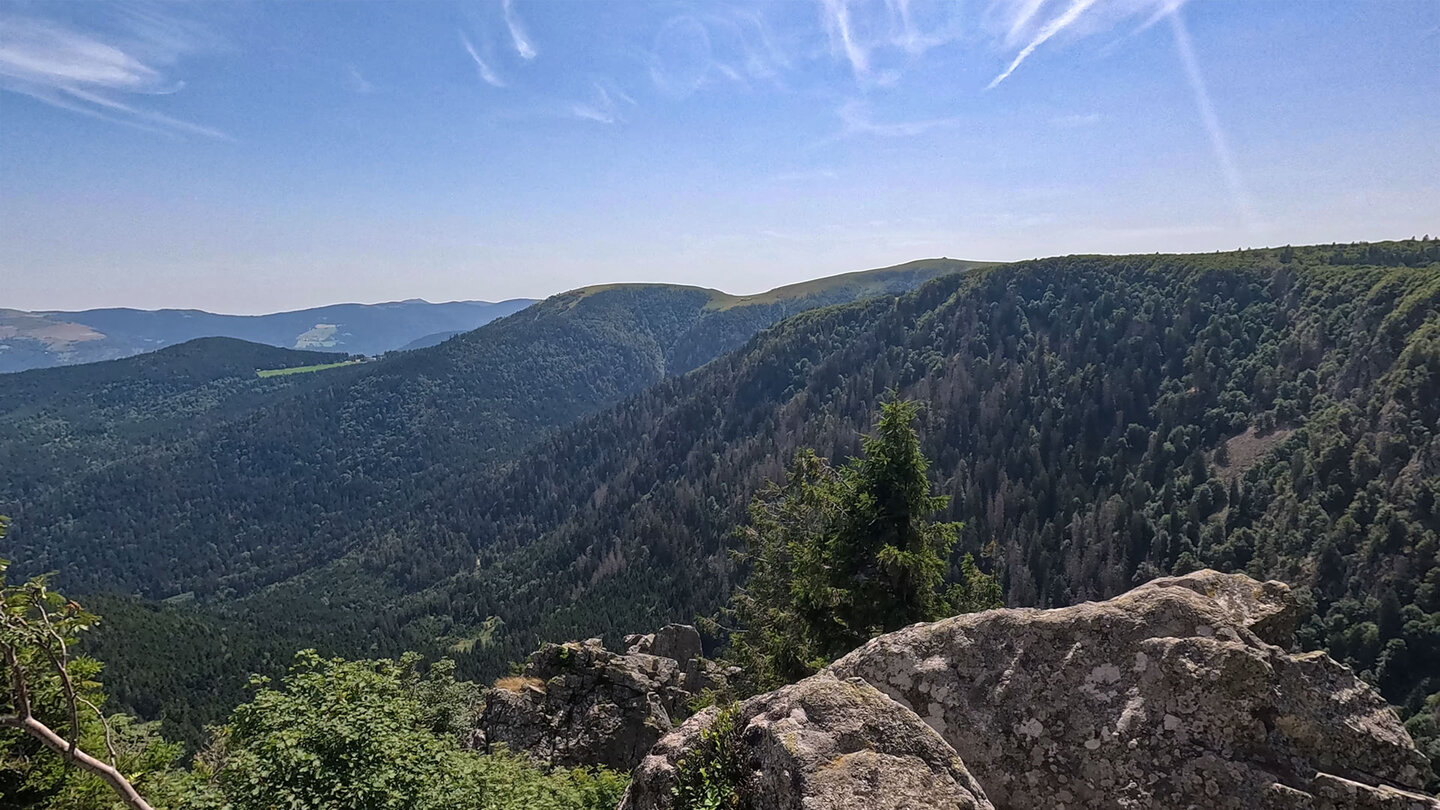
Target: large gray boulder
x: 821, y: 744
x: 580, y: 704
x: 1173, y: 695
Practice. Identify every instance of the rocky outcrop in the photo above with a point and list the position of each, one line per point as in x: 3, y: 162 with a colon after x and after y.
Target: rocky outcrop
x: 821, y: 743
x: 680, y: 642
x: 1173, y: 695
x: 580, y: 704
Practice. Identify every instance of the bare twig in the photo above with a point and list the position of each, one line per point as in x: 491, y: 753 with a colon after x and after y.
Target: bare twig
x: 105, y: 724
x: 61, y: 664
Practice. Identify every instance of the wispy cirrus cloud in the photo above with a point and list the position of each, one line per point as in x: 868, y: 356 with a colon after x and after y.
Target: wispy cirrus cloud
x: 723, y: 45
x: 1036, y: 22
x: 1051, y: 28
x: 518, y: 35
x: 1239, y: 195
x: 96, y: 74
x: 487, y: 73
x: 844, y: 38
x: 603, y: 105
x: 858, y: 118
x: 356, y: 81
x: 1029, y: 24
x: 878, y: 39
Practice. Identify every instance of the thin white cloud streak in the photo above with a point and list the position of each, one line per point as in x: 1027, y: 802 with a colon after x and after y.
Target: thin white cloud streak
x: 148, y: 115
x: 585, y: 112
x: 47, y: 54
x: 356, y: 81
x: 486, y: 72
x: 1027, y: 13
x: 1055, y: 26
x: 85, y: 74
x: 910, y: 38
x: 1167, y: 7
x: 837, y: 24
x: 857, y: 121
x: 603, y: 107
x: 1218, y: 141
x: 523, y: 45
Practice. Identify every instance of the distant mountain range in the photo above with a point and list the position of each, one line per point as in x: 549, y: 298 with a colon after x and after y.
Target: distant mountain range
x: 52, y: 338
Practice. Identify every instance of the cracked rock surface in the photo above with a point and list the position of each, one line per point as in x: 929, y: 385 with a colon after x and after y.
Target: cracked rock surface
x: 1173, y: 695
x: 580, y: 704
x: 821, y: 744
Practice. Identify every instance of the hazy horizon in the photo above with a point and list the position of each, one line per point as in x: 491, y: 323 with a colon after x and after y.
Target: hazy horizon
x: 254, y: 158
x: 543, y: 296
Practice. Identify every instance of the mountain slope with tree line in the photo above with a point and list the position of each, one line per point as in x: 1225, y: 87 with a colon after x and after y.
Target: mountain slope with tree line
x: 1096, y: 421
x: 223, y: 506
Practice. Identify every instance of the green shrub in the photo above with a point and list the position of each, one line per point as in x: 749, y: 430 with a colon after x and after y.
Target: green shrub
x: 711, y: 777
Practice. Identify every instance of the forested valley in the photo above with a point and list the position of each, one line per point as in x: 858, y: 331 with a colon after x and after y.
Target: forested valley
x: 1096, y: 422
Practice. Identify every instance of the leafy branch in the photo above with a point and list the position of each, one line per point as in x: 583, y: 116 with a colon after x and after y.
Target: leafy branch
x: 37, y: 630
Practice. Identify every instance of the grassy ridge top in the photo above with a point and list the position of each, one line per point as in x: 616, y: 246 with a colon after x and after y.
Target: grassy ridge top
x: 881, y: 279
x: 878, y: 279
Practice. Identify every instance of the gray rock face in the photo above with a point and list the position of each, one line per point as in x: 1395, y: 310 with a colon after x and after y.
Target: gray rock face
x: 823, y: 743
x: 580, y: 704
x: 1168, y: 696
x: 678, y: 641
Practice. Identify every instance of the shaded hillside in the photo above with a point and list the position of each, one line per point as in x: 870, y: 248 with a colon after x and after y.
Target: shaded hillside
x: 428, y: 341
x: 58, y: 424
x: 43, y: 339
x: 270, y: 492
x: 81, y: 389
x: 1076, y: 405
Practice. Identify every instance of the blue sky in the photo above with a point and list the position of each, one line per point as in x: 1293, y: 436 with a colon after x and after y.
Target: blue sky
x: 250, y: 157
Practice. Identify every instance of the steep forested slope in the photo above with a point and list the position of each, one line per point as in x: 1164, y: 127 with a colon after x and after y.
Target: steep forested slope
x: 57, y: 425
x: 1098, y: 420
x: 220, y: 507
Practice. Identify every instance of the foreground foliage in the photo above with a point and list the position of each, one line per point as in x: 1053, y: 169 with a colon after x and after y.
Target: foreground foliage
x: 371, y: 735
x: 711, y: 775
x: 52, y: 727
x: 332, y: 735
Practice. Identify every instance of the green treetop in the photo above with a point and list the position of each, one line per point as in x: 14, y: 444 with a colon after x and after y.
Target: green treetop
x: 838, y: 556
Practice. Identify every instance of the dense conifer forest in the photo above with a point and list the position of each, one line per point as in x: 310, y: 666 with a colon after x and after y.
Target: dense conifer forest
x: 1095, y: 422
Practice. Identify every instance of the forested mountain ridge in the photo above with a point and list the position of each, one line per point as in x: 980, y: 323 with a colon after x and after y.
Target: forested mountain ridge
x: 141, y: 378
x: 269, y: 492
x: 45, y: 339
x: 1096, y: 420
x: 58, y: 424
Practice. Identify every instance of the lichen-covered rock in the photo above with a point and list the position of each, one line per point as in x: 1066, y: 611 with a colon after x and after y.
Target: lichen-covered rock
x: 821, y: 744
x: 580, y: 704
x: 1267, y: 609
x: 1168, y: 696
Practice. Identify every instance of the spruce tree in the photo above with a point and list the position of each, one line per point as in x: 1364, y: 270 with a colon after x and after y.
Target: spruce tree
x: 837, y: 557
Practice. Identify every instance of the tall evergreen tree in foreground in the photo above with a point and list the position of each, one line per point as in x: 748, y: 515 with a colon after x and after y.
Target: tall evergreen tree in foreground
x: 838, y: 556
